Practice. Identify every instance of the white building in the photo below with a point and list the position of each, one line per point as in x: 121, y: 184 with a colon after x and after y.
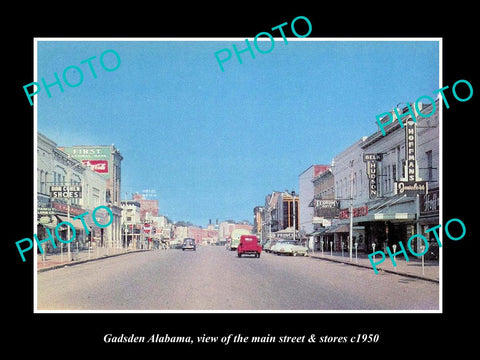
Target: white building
x: 132, y: 224
x: 386, y: 176
x: 56, y: 168
x: 306, y: 194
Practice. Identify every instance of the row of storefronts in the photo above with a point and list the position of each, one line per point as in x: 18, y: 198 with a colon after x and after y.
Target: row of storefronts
x: 72, y: 181
x: 382, y: 190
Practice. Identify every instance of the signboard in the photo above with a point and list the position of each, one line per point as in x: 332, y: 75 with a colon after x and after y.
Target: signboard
x: 146, y: 228
x: 62, y: 207
x: 360, y: 211
x: 326, y: 208
x: 61, y: 192
x: 371, y: 162
x: 45, y: 211
x: 411, y: 184
x: 411, y: 187
x: 96, y: 157
x: 327, y: 203
x: 99, y: 166
x: 430, y: 203
x: 410, y: 150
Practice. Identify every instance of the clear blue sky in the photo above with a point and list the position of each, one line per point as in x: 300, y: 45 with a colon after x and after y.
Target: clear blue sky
x: 211, y: 143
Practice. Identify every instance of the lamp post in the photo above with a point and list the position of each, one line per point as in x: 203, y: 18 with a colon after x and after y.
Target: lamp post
x: 350, y: 241
x: 68, y: 206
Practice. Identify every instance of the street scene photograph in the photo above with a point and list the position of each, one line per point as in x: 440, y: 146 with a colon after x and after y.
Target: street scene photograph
x: 277, y: 173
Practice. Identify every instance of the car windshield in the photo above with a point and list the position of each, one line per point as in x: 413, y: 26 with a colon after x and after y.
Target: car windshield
x: 287, y: 242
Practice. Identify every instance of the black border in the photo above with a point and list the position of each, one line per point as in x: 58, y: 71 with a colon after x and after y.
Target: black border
x: 405, y: 334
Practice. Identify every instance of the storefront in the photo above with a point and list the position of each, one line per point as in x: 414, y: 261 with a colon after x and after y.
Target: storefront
x: 388, y: 222
x: 429, y: 217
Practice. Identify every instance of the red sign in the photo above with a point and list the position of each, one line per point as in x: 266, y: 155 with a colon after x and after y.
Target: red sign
x: 360, y: 211
x: 64, y: 208
x: 99, y: 166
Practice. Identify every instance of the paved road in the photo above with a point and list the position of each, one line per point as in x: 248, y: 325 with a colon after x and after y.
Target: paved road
x: 212, y: 278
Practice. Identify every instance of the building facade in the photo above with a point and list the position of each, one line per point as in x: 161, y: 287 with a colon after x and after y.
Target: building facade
x: 55, y: 170
x: 384, y: 179
x: 305, y: 195
x: 132, y: 226
x: 106, y: 161
x: 148, y: 207
x: 325, y: 209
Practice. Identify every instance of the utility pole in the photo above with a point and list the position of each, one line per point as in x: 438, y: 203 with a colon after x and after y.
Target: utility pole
x: 350, y: 242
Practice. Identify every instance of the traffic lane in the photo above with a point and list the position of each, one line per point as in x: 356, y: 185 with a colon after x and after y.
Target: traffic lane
x: 108, y: 284
x: 214, y: 279
x: 304, y: 283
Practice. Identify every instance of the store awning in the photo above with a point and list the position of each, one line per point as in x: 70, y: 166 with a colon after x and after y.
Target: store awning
x: 77, y: 223
x: 339, y: 228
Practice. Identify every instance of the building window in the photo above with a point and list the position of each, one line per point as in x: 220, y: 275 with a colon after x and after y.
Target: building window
x: 429, y: 165
x: 389, y: 179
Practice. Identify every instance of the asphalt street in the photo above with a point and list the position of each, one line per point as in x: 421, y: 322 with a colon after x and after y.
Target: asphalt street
x: 212, y: 278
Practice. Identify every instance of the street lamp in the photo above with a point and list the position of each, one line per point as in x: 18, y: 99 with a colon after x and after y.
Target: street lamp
x: 350, y: 241
x: 68, y: 205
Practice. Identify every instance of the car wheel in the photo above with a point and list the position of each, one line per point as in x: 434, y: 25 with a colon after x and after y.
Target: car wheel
x: 239, y: 255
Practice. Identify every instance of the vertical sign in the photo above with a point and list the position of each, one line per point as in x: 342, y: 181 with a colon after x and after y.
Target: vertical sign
x: 411, y: 184
x: 410, y: 150
x: 371, y: 162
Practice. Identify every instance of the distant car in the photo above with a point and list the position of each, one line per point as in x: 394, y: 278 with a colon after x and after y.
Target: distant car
x: 249, y: 245
x: 289, y: 247
x: 189, y: 244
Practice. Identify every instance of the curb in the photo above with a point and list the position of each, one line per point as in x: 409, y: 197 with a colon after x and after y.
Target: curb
x: 420, y: 277
x: 78, y: 262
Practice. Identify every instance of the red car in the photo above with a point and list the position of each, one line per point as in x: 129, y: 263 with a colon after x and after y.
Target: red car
x: 249, y: 245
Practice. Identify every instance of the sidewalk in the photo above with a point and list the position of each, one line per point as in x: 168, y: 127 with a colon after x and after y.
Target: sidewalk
x: 55, y: 261
x: 411, y: 268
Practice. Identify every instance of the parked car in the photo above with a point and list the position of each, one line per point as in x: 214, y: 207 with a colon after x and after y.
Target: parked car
x: 289, y: 247
x: 268, y: 246
x: 249, y: 245
x: 189, y: 243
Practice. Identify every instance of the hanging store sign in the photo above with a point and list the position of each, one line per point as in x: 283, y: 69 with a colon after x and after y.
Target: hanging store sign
x: 60, y: 192
x: 430, y: 203
x: 327, y: 203
x: 411, y: 150
x: 411, y: 184
x: 371, y: 163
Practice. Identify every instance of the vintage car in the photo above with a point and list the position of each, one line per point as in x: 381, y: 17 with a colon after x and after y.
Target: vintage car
x: 249, y: 245
x: 189, y: 243
x: 268, y: 245
x: 289, y: 247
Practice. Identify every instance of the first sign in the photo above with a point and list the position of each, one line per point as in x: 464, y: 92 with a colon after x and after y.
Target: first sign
x: 59, y: 192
